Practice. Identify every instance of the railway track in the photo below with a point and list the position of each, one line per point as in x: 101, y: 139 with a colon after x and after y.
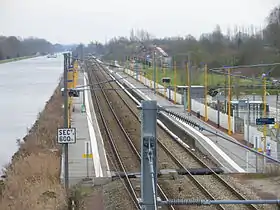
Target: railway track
x: 113, y: 138
x: 117, y: 143
x: 217, y: 183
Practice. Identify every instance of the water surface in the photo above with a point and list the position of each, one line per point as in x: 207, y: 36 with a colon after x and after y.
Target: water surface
x: 25, y: 86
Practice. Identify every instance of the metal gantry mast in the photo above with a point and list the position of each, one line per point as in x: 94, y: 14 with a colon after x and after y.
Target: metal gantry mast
x: 149, y: 155
x: 149, y: 171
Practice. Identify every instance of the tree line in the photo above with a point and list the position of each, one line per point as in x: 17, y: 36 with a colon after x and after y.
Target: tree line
x: 240, y: 46
x: 13, y: 47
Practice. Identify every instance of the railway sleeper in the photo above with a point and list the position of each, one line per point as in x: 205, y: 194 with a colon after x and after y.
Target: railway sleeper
x: 192, y: 171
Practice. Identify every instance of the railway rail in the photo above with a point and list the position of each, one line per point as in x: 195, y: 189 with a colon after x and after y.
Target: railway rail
x: 217, y: 183
x: 115, y: 148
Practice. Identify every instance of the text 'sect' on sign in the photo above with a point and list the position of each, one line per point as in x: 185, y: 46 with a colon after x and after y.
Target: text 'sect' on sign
x: 66, y: 135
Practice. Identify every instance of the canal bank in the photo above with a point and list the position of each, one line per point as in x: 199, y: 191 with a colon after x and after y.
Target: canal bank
x: 17, y: 59
x: 32, y: 178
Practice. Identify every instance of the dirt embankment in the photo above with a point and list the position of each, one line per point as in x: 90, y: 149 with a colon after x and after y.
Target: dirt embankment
x: 32, y: 179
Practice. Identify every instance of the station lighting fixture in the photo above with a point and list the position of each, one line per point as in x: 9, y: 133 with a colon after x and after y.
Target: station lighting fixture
x: 74, y: 93
x: 212, y: 92
x: 166, y: 80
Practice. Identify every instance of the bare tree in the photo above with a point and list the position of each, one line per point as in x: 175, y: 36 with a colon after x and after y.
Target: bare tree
x: 241, y: 45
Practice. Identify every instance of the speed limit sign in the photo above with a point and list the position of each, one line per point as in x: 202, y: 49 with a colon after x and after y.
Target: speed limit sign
x: 66, y: 135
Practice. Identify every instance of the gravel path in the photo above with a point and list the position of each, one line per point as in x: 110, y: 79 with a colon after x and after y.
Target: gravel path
x: 114, y: 198
x: 248, y: 191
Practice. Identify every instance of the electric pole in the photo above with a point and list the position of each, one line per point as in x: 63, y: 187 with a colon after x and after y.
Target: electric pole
x: 154, y: 68
x: 189, y: 83
x: 66, y: 169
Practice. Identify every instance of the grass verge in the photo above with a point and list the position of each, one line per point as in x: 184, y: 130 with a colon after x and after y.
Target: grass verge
x: 16, y: 59
x: 197, y: 77
x: 245, y: 86
x: 33, y: 176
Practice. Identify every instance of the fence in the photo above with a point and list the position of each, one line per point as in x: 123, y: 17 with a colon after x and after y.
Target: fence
x: 237, y: 124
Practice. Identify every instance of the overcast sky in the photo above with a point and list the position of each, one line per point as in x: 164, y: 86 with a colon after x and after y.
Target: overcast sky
x: 74, y: 21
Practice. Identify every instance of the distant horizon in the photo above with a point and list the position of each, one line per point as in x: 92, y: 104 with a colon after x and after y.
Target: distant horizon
x: 243, y: 29
x: 70, y: 22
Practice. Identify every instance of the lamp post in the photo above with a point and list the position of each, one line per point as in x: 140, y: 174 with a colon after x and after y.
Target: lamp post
x: 189, y: 82
x: 205, y: 92
x: 229, y: 104
x: 154, y: 69
x: 264, y: 111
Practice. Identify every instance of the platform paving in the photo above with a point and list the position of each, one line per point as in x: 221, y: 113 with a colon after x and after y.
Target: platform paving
x: 246, y: 160
x: 79, y: 166
x: 85, y: 165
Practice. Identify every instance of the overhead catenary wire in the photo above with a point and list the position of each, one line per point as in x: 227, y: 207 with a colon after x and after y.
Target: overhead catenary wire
x: 111, y: 161
x: 223, y: 201
x: 201, y: 127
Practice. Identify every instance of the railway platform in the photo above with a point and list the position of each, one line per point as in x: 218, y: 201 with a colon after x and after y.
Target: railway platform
x: 87, y: 159
x: 231, y: 157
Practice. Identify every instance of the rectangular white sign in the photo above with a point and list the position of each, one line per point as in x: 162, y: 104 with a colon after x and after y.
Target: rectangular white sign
x: 66, y: 135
